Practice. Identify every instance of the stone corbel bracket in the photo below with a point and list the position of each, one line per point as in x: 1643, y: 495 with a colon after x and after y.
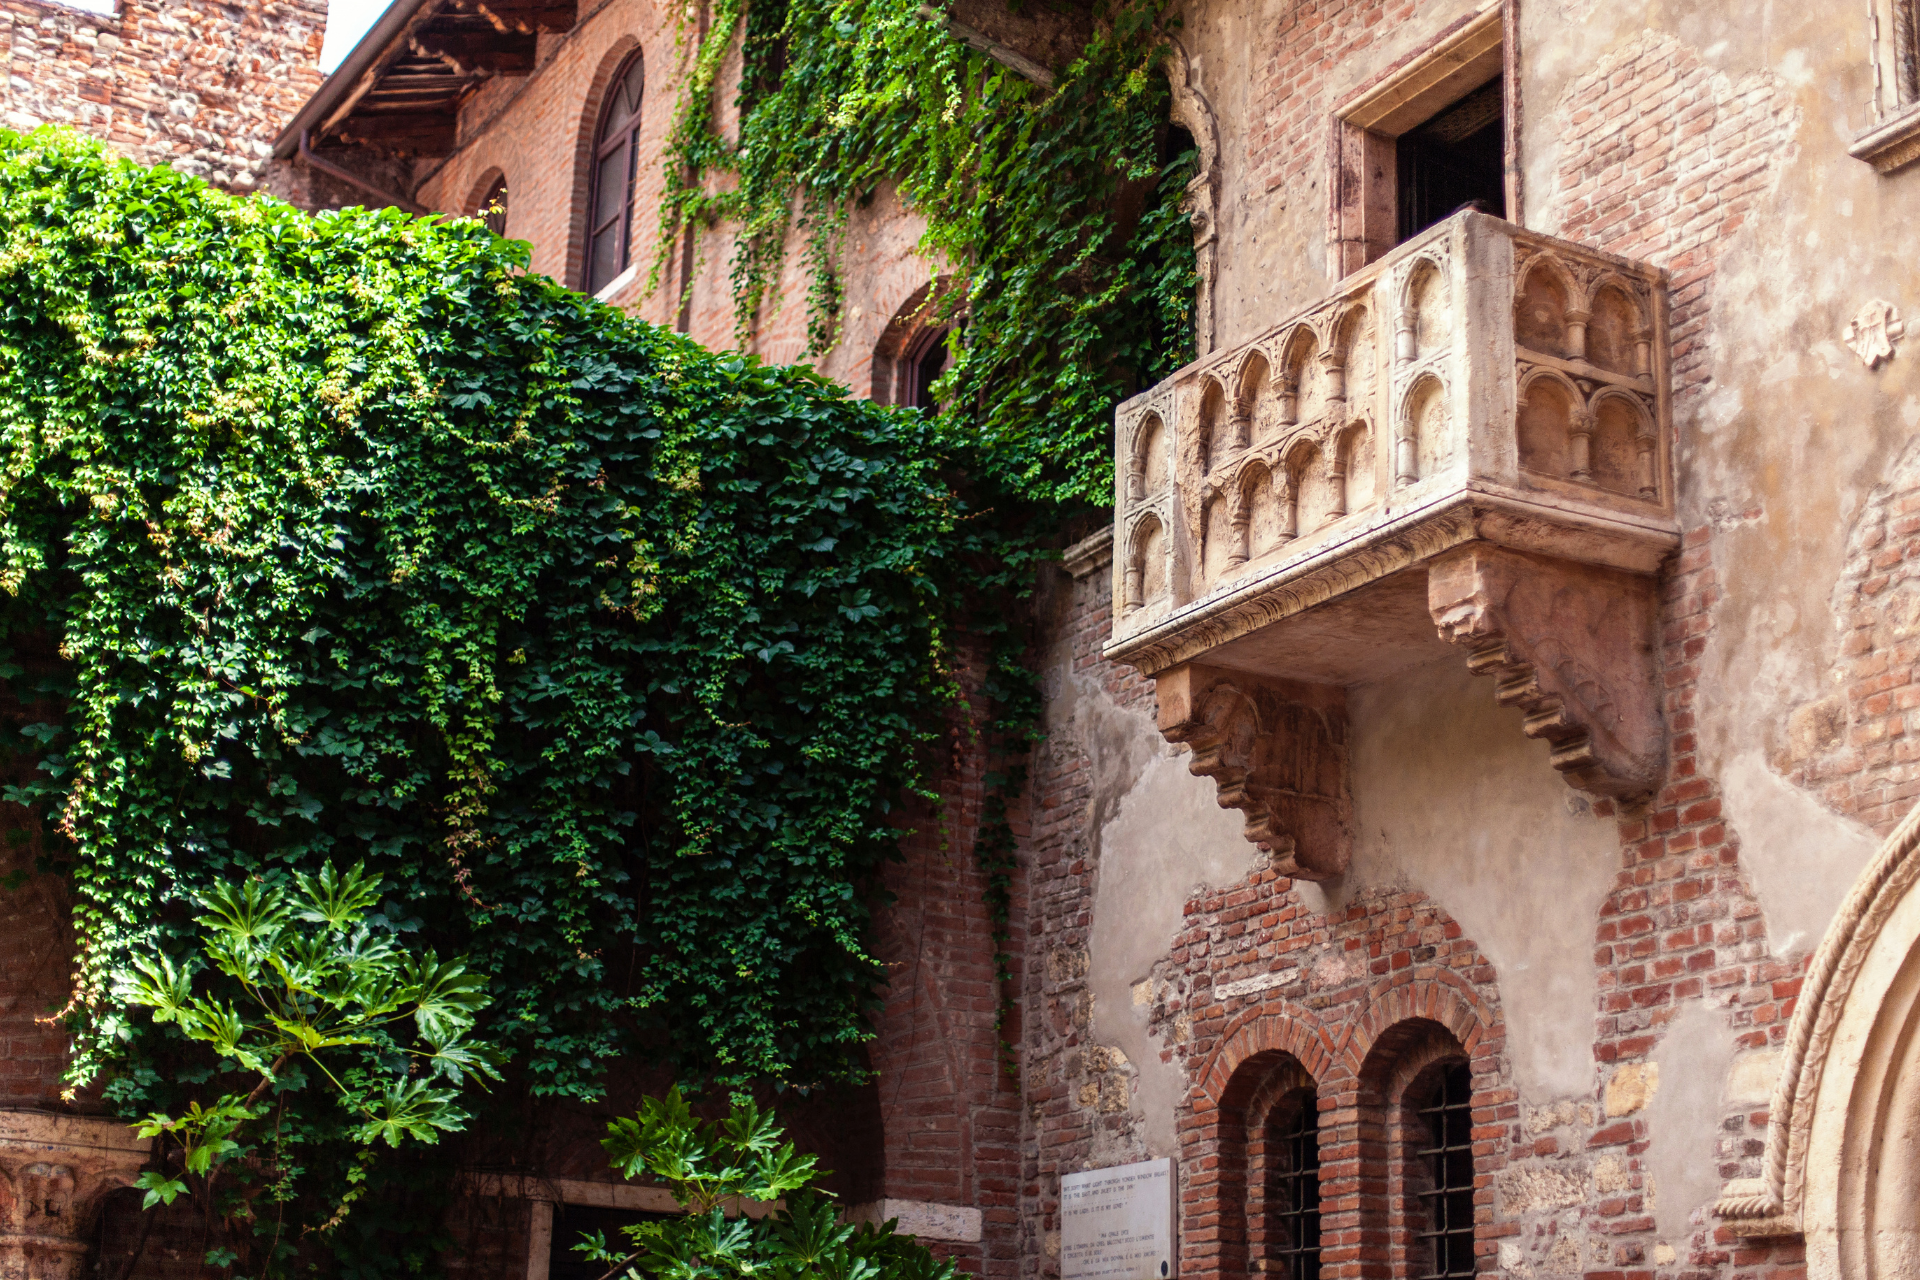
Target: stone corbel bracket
x: 1277, y: 749
x: 1571, y: 645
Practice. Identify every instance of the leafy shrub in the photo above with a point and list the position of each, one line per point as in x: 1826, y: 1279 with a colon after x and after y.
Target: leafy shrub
x: 713, y: 1169
x: 292, y: 982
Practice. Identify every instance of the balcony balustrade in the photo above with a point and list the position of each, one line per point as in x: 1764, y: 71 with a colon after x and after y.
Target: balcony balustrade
x: 1466, y: 444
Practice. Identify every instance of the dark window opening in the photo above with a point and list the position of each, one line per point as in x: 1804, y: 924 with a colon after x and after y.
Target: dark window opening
x: 572, y: 1221
x: 1293, y: 1188
x: 1175, y: 142
x: 493, y: 209
x: 616, y: 163
x: 1455, y: 161
x: 1445, y: 1158
x: 926, y: 361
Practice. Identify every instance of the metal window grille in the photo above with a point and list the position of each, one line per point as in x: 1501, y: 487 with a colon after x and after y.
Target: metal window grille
x: 1448, y: 1198
x: 1293, y: 1189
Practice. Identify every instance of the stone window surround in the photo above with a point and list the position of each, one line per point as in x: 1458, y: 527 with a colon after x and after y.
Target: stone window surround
x: 1363, y: 221
x: 1893, y: 140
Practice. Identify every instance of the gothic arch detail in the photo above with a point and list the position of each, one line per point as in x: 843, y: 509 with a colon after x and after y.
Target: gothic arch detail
x: 1849, y: 1084
x: 1192, y: 112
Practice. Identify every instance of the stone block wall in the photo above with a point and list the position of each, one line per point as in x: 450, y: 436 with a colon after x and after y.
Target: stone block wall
x: 196, y: 84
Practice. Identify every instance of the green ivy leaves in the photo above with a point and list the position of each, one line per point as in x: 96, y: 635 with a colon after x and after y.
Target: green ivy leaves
x: 1058, y: 213
x: 340, y: 541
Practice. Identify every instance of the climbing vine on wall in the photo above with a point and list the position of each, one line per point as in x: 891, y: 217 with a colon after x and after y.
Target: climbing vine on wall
x: 1055, y: 209
x: 340, y: 538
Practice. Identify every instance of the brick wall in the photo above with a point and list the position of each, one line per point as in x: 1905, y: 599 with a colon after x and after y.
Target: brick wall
x: 1858, y: 747
x: 948, y: 1107
x: 1562, y: 1187
x: 1664, y: 159
x: 200, y: 85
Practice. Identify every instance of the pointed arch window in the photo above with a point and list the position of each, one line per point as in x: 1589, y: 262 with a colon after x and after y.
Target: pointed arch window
x: 493, y: 206
x: 616, y: 163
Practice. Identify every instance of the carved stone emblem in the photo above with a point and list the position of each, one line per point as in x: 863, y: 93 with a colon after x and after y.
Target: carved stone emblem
x: 1874, y: 329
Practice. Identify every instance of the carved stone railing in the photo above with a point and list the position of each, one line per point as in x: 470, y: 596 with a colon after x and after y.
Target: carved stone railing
x: 1468, y: 442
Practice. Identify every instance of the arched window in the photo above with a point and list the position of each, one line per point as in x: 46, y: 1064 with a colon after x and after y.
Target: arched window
x: 1292, y: 1151
x: 914, y: 349
x: 1440, y: 1173
x: 616, y: 162
x: 928, y: 359
x: 1269, y: 1171
x: 493, y: 206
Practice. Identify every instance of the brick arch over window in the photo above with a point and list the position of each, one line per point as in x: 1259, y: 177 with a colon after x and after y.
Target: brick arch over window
x: 1407, y: 1031
x: 489, y: 191
x: 1263, y: 1056
x: 913, y: 341
x: 614, y: 63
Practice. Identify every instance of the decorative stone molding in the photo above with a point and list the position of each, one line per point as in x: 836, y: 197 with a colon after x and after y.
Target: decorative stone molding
x: 1482, y: 401
x: 1840, y: 1164
x: 1572, y: 646
x: 1089, y: 555
x: 1192, y: 112
x: 1278, y: 752
x: 55, y: 1171
x: 1891, y: 144
x: 1875, y: 327
x: 1893, y: 140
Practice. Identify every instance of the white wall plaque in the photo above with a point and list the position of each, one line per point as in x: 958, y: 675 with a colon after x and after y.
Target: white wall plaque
x: 1117, y: 1223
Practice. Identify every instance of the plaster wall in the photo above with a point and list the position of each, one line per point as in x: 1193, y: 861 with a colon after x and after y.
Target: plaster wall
x: 1781, y: 443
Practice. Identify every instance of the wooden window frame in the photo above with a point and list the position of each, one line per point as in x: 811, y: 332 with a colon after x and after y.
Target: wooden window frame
x: 1364, y: 204
x: 606, y: 144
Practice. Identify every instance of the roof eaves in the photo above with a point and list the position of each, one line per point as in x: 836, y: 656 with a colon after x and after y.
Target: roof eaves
x: 391, y: 26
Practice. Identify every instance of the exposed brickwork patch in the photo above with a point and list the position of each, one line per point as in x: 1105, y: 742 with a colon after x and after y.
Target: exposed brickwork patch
x: 1859, y: 748
x: 1663, y: 159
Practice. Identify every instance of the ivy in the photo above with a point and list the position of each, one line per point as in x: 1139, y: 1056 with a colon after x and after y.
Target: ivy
x: 1055, y: 212
x: 340, y: 538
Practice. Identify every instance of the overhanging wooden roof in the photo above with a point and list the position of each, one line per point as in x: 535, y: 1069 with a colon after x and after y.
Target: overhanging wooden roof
x: 401, y: 88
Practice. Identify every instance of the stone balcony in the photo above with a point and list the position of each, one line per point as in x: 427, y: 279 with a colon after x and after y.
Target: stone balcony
x: 1466, y: 444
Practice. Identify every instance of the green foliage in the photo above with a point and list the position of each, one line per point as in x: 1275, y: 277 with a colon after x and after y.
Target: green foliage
x: 713, y: 1169
x: 1056, y: 211
x: 341, y: 539
x: 296, y: 980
